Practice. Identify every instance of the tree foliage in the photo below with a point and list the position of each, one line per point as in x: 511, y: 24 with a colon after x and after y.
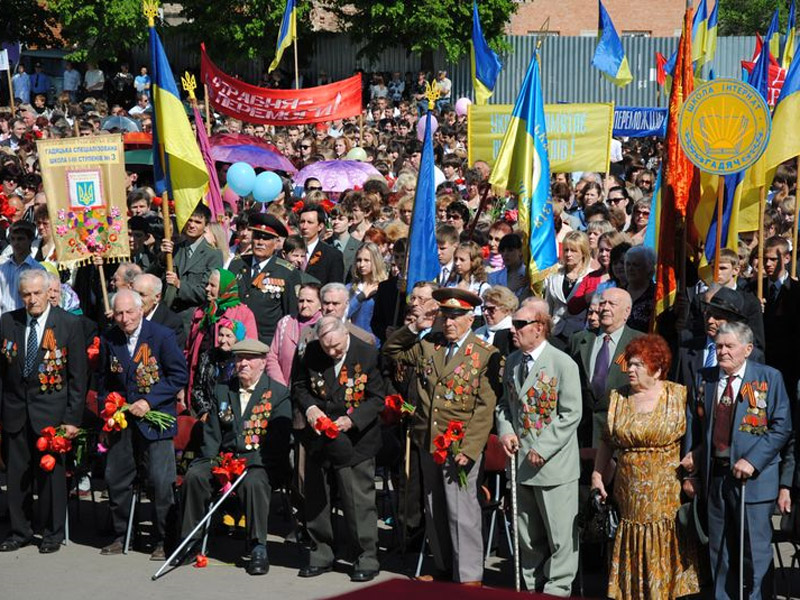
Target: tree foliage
x: 100, y: 29
x: 26, y: 21
x: 422, y: 26
x: 746, y: 17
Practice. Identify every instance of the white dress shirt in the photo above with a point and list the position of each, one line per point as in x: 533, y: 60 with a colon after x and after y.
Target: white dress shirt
x: 133, y: 339
x: 736, y: 383
x: 9, y: 282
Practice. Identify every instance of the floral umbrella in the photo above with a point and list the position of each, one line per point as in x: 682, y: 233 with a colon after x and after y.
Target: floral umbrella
x: 338, y: 175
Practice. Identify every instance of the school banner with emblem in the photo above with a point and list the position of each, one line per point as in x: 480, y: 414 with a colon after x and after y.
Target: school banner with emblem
x: 578, y: 135
x: 84, y: 179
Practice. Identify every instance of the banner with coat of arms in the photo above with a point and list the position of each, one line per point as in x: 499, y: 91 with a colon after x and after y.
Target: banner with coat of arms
x: 84, y: 179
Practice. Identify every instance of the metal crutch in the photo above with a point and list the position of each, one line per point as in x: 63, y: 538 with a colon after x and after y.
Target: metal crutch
x: 202, y: 522
x: 515, y: 522
x: 741, y: 540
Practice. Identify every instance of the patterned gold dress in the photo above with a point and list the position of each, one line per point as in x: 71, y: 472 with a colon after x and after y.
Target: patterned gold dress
x: 649, y: 561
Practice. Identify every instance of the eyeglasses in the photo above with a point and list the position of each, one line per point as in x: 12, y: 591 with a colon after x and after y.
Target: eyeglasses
x: 489, y: 308
x: 616, y: 200
x: 314, y: 189
x: 520, y: 323
x: 305, y: 146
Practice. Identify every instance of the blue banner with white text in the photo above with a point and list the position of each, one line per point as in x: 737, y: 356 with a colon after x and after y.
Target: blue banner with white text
x: 632, y: 121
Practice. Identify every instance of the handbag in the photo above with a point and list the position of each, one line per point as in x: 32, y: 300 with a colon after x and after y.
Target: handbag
x: 600, y: 519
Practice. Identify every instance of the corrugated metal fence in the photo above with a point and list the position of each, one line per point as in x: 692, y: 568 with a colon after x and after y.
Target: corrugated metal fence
x: 566, y: 65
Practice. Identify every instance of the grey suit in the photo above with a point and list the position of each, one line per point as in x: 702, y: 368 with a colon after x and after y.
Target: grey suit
x: 548, y: 495
x: 193, y: 273
x: 348, y: 250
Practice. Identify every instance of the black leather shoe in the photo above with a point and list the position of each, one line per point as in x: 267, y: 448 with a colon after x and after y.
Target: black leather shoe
x: 158, y: 554
x: 311, y: 571
x: 114, y: 547
x: 49, y: 547
x: 259, y: 565
x: 362, y: 575
x: 12, y: 544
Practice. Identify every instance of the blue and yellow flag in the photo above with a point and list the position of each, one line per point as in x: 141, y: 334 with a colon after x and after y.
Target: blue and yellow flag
x: 789, y: 42
x: 710, y: 47
x: 699, y: 33
x: 773, y: 38
x: 287, y: 33
x: 423, y: 264
x: 485, y: 64
x: 784, y: 143
x: 523, y: 168
x: 652, y: 233
x: 609, y: 56
x: 178, y: 164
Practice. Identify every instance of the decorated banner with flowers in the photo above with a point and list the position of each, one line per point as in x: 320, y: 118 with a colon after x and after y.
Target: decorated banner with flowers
x: 84, y: 179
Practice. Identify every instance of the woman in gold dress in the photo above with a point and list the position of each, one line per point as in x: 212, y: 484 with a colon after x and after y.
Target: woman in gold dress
x: 646, y: 421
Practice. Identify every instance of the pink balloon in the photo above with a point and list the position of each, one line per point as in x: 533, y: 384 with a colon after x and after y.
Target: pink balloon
x: 462, y: 104
x: 421, y: 127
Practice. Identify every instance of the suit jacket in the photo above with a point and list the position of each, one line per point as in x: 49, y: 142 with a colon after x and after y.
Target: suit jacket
x: 751, y: 309
x: 782, y: 330
x: 326, y: 264
x: 580, y: 349
x: 565, y: 323
x: 760, y: 448
x: 316, y: 384
x: 386, y: 307
x: 348, y: 252
x: 193, y: 273
x: 553, y: 433
x: 121, y: 373
x: 478, y: 364
x: 170, y: 319
x: 237, y: 434
x: 21, y: 398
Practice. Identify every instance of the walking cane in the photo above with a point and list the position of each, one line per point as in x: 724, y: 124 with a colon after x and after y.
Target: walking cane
x: 515, y: 522
x: 202, y: 522
x: 741, y: 541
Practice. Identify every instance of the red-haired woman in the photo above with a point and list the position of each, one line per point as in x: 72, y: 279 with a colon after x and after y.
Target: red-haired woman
x: 646, y: 421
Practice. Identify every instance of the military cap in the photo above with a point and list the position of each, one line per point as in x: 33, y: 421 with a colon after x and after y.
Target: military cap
x: 456, y: 300
x: 268, y: 224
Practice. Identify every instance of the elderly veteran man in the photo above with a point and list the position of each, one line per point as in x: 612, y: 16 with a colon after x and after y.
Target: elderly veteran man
x: 458, y: 379
x: 537, y: 420
x: 252, y: 420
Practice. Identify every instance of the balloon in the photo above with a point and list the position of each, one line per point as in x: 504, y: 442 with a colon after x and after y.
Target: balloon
x: 421, y: 127
x: 267, y: 186
x: 462, y: 104
x: 356, y: 153
x: 241, y: 178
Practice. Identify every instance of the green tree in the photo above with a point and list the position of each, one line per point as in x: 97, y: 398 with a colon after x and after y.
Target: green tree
x: 100, y: 29
x: 422, y: 26
x: 746, y: 17
x: 26, y: 21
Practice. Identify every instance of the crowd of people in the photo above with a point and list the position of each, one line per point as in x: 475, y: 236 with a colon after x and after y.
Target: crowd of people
x: 286, y: 335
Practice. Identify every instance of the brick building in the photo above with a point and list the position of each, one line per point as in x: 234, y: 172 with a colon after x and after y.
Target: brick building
x: 650, y: 18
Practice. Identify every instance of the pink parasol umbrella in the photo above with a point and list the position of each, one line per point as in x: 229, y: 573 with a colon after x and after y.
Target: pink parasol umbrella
x: 338, y: 175
x: 235, y: 147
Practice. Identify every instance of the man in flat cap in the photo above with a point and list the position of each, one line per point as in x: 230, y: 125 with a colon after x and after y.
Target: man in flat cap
x: 458, y: 380
x: 267, y: 283
x: 252, y: 420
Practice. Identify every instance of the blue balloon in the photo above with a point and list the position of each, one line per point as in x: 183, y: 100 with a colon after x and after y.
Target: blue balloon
x: 241, y: 178
x: 267, y: 187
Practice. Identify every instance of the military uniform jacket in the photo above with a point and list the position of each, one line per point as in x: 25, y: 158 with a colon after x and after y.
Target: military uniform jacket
x: 358, y: 392
x: 270, y: 295
x: 258, y: 435
x: 55, y: 392
x: 544, y: 413
x: 193, y: 273
x: 466, y: 389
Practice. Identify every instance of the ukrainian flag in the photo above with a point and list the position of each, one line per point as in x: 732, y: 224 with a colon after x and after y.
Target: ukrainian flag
x: 784, y: 143
x: 710, y: 47
x: 773, y: 39
x: 700, y: 33
x: 485, y: 64
x: 653, y: 232
x: 523, y: 168
x: 788, y: 44
x: 287, y: 33
x: 609, y: 56
x: 178, y: 164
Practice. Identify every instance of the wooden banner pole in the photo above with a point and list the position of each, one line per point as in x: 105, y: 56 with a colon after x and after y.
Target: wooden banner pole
x: 795, y: 229
x: 762, y: 204
x: 167, y: 227
x: 11, y: 91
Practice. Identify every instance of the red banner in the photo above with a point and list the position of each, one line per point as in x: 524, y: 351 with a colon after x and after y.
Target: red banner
x: 254, y: 104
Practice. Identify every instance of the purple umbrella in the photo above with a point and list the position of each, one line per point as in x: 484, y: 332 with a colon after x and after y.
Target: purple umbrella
x: 338, y: 175
x: 255, y: 156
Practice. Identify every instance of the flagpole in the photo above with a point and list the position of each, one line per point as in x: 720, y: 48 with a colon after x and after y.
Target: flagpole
x: 762, y: 204
x: 718, y: 243
x: 10, y: 90
x: 795, y: 231
x: 208, y: 110
x: 296, y: 68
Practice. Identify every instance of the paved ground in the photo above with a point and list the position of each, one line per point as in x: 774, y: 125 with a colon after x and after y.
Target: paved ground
x: 78, y: 571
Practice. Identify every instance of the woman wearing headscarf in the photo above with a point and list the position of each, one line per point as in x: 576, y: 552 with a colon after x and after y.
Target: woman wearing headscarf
x: 215, y: 366
x: 222, y: 300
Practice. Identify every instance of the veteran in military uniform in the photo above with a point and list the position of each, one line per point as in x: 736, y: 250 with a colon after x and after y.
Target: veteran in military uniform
x: 267, y: 283
x: 458, y: 380
x: 537, y: 421
x: 252, y: 420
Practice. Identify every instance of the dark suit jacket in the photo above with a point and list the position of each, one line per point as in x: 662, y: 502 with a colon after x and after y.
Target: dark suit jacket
x: 504, y: 342
x: 21, y: 398
x: 118, y: 372
x: 782, y: 331
x: 316, y: 384
x: 751, y: 310
x: 326, y: 264
x: 170, y: 319
x: 580, y: 349
x: 386, y: 307
x: 193, y: 273
x: 348, y: 253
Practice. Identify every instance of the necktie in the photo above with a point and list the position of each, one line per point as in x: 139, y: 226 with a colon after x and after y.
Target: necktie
x: 601, y: 364
x: 31, y: 349
x: 338, y: 245
x: 451, y: 350
x: 723, y: 416
x: 775, y: 290
x: 189, y: 252
x: 711, y: 355
x: 444, y: 276
x: 525, y: 368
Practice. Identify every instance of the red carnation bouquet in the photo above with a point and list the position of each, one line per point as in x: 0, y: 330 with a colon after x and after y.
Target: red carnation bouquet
x: 93, y: 353
x: 227, y: 469
x: 326, y: 426
x: 450, y: 442
x: 113, y: 415
x: 395, y: 408
x: 52, y: 441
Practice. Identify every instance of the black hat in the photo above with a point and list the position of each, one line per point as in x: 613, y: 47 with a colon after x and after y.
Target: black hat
x: 269, y: 224
x: 456, y: 300
x: 138, y: 223
x: 728, y: 303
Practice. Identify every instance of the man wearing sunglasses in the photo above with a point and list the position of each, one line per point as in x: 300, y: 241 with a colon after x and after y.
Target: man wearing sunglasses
x: 537, y: 421
x: 458, y: 377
